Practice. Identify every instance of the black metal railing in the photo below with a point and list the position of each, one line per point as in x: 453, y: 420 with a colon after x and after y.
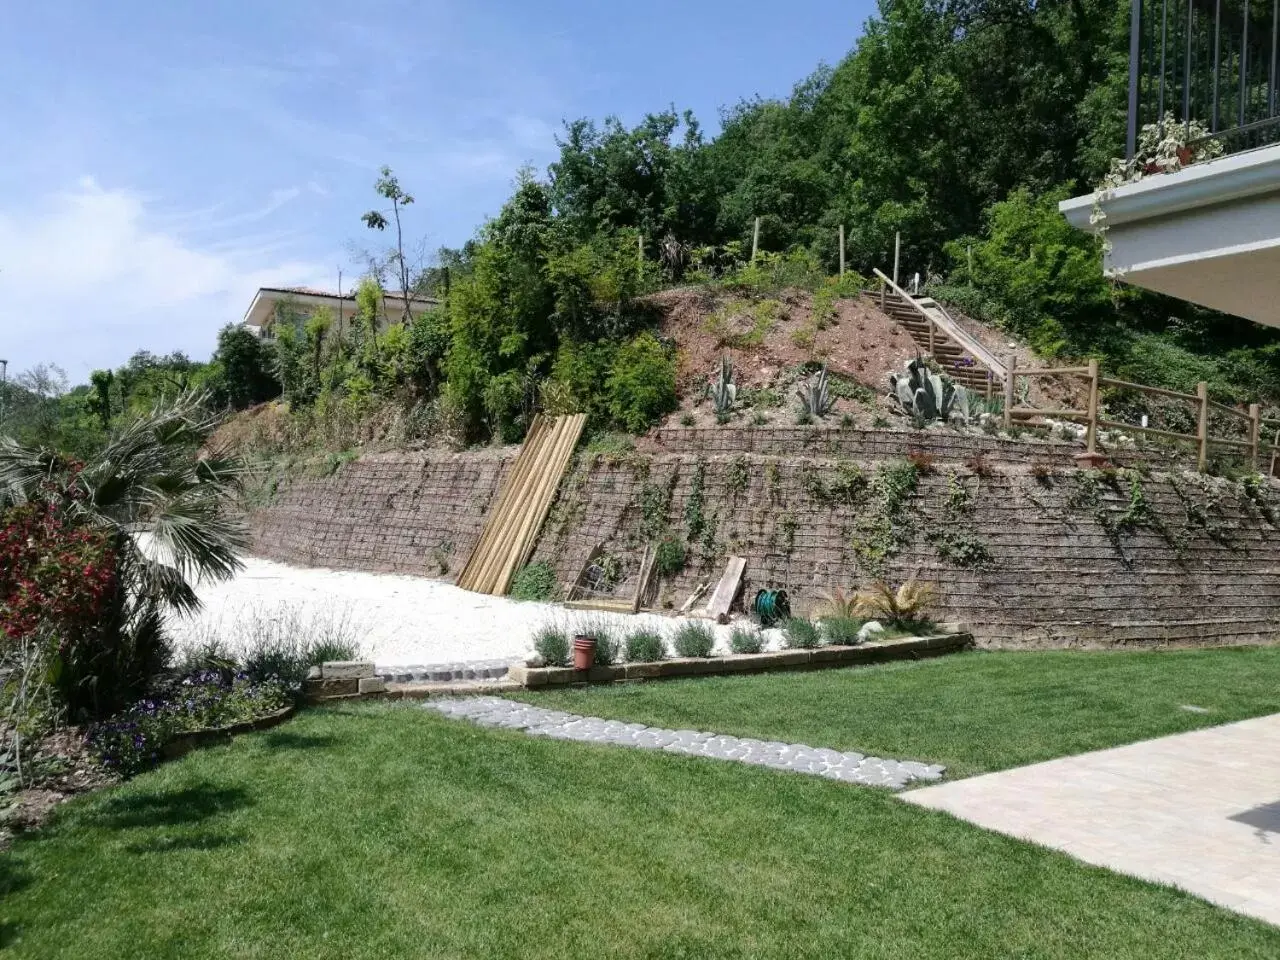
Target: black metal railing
x: 1212, y: 61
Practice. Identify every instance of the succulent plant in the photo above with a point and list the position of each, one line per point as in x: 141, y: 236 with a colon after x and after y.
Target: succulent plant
x: 724, y: 393
x: 927, y: 396
x: 815, y: 396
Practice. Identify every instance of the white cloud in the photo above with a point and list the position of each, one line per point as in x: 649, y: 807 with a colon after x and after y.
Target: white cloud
x: 87, y: 277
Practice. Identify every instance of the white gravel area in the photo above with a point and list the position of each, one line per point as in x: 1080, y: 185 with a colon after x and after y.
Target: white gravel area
x: 397, y: 620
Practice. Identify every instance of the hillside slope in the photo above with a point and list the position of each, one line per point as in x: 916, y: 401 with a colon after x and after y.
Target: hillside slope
x: 773, y: 343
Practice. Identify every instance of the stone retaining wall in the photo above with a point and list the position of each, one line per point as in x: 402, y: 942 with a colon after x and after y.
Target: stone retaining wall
x: 1070, y: 558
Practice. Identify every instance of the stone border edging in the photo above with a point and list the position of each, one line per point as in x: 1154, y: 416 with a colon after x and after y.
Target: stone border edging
x: 908, y: 648
x: 184, y: 743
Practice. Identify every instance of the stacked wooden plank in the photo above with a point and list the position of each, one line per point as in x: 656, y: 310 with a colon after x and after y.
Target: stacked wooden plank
x: 511, y: 529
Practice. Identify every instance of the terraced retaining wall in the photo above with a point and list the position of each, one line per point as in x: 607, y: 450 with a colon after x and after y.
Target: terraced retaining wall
x: 1025, y: 551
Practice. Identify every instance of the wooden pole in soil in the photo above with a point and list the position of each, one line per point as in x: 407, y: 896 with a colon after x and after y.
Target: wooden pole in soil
x: 1255, y: 431
x: 1202, y: 426
x: 990, y: 377
x: 897, y: 251
x: 1091, y: 436
x: 842, y: 249
x: 640, y: 250
x: 1010, y: 376
x: 755, y: 240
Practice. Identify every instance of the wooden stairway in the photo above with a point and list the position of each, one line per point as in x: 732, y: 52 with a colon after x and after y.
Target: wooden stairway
x: 936, y: 333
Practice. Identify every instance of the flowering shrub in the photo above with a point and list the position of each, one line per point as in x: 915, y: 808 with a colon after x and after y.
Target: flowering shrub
x: 52, y: 572
x: 134, y: 740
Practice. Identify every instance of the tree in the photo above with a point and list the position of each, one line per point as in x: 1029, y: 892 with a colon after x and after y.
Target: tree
x: 166, y: 517
x: 245, y: 363
x: 388, y: 187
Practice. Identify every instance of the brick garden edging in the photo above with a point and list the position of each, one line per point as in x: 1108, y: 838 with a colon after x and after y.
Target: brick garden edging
x: 908, y: 648
x: 520, y: 677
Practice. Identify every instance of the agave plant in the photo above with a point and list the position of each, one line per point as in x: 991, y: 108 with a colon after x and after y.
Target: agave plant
x: 927, y: 396
x: 903, y: 607
x: 724, y: 392
x: 815, y: 396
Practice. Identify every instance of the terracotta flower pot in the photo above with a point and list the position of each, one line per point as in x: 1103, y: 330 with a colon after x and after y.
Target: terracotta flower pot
x: 584, y: 652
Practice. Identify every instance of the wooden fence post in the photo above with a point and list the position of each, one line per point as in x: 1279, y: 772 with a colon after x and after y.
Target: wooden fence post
x: 990, y: 378
x: 1010, y: 378
x: 842, y: 249
x: 1091, y: 435
x: 1255, y: 431
x: 755, y: 240
x: 1202, y: 426
x: 640, y: 249
x: 897, y: 249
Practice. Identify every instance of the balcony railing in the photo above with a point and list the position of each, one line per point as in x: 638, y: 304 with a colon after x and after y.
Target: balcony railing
x: 1212, y: 61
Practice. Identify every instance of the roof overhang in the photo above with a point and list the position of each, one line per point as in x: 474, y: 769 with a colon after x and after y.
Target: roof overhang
x: 1224, y: 180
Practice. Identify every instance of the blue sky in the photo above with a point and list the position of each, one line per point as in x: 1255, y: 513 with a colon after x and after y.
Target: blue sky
x: 163, y: 160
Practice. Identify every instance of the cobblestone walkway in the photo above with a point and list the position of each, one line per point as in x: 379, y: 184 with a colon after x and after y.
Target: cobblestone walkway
x: 793, y: 757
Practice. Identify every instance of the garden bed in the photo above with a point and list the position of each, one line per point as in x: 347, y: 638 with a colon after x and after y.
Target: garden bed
x: 905, y: 648
x: 183, y: 743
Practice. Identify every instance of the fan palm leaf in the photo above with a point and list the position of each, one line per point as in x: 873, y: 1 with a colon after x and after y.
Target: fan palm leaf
x: 166, y: 506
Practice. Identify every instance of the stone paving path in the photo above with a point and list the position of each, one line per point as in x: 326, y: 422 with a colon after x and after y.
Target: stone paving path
x: 1198, y: 810
x: 793, y: 757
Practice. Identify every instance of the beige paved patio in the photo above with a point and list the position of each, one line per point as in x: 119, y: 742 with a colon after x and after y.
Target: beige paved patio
x: 1200, y: 811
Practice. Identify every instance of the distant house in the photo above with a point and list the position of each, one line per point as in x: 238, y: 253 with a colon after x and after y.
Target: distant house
x: 299, y: 304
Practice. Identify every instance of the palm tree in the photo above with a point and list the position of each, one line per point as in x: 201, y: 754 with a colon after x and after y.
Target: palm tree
x: 164, y: 503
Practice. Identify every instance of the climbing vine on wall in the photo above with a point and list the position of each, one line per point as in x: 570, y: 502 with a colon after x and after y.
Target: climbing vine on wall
x: 694, y: 518
x: 1118, y: 525
x: 956, y: 541
x: 883, y: 525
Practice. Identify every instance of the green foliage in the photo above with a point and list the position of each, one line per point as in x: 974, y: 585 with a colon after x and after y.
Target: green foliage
x: 552, y: 644
x: 670, y: 557
x: 924, y: 395
x: 645, y: 646
x: 954, y: 539
x: 534, y: 581
x: 746, y: 640
x: 281, y: 645
x: 882, y: 527
x: 134, y: 740
x: 642, y: 383
x: 149, y: 494
x: 243, y: 369
x: 841, y: 631
x: 815, y: 396
x: 736, y: 476
x: 693, y: 639
x: 800, y: 634
x: 694, y: 516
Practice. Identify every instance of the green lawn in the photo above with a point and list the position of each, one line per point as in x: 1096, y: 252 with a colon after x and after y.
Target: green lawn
x: 974, y: 712
x: 387, y: 831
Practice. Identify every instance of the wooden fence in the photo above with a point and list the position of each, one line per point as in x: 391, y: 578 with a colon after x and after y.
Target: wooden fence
x: 1253, y: 421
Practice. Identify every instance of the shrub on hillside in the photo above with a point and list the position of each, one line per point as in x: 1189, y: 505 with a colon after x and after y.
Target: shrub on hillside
x: 642, y: 383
